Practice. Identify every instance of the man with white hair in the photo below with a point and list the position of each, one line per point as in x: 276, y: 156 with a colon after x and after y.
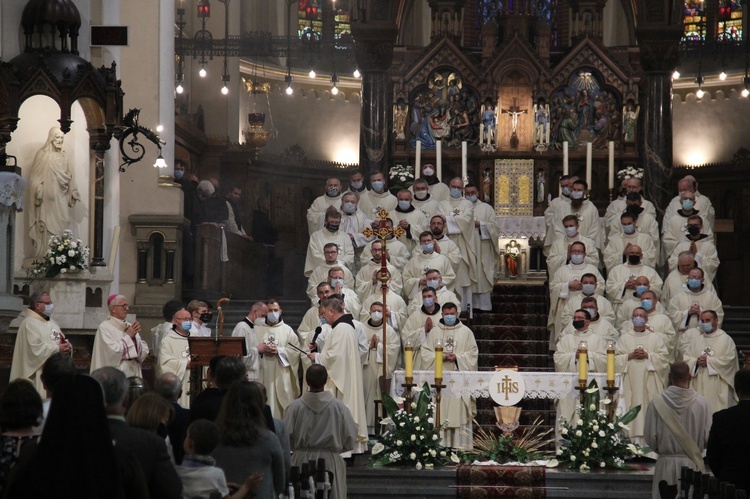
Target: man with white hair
x: 616, y: 207
x: 674, y: 229
x: 331, y: 197
x: 118, y: 343
x: 677, y: 278
x: 213, y: 209
x: 701, y: 202
x: 353, y: 223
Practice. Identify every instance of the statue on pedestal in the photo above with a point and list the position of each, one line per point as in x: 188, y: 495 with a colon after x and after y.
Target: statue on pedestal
x: 53, y: 191
x: 512, y: 253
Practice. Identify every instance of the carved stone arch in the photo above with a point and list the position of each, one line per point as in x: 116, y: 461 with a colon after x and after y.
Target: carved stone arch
x: 521, y: 66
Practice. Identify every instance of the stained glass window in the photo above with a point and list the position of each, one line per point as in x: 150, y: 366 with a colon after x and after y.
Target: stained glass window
x: 310, y: 19
x: 730, y: 20
x: 694, y: 20
x: 544, y: 9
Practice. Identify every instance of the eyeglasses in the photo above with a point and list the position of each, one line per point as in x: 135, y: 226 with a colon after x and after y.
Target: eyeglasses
x: 124, y: 305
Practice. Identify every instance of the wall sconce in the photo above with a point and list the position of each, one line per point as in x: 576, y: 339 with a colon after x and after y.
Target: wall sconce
x: 129, y: 137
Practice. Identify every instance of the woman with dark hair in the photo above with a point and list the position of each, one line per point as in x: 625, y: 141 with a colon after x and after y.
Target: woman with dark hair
x: 246, y: 445
x: 152, y: 413
x: 20, y: 415
x: 75, y: 457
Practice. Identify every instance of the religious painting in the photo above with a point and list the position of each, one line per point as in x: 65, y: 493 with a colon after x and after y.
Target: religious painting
x: 444, y: 109
x: 514, y: 187
x: 585, y: 111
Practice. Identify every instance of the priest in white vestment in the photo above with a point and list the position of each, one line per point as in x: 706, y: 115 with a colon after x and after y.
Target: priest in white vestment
x: 559, y: 251
x: 676, y: 279
x: 246, y: 329
x: 657, y: 321
x: 443, y: 244
x: 37, y: 339
x: 174, y: 353
x: 597, y: 325
x: 616, y: 207
x: 436, y: 188
x: 352, y: 304
x: 488, y: 250
x: 321, y: 426
x: 556, y: 205
x: 118, y: 343
x: 372, y: 370
x: 413, y: 220
x: 692, y: 411
x: 700, y: 245
x: 420, y: 322
x: 332, y: 197
x: 587, y: 214
x: 396, y: 309
x: 566, y: 284
x: 279, y: 361
x: 618, y: 243
x: 633, y: 299
x: 460, y: 353
x: 621, y: 279
x: 696, y: 296
x: 415, y: 271
x: 423, y: 198
x: 331, y: 233
x: 642, y: 357
x: 700, y: 202
x: 566, y: 360
x: 370, y: 202
x: 367, y: 282
x: 434, y: 280
x: 340, y: 356
x: 396, y: 252
x: 674, y: 230
x: 459, y: 215
x: 603, y: 306
x: 712, y: 356
x: 320, y: 273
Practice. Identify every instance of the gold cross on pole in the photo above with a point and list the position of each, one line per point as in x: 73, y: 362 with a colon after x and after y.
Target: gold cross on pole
x: 383, y: 233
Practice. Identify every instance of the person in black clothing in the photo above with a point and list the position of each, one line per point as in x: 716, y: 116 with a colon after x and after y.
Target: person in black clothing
x: 169, y: 386
x: 729, y: 439
x: 222, y: 372
x: 213, y: 209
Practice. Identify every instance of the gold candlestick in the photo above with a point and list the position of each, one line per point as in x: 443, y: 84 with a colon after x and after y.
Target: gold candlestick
x: 438, y: 386
x: 408, y: 394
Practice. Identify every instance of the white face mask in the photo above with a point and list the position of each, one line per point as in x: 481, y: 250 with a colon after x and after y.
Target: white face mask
x: 376, y: 317
x: 48, y: 309
x: 576, y: 195
x: 420, y: 194
x: 428, y: 172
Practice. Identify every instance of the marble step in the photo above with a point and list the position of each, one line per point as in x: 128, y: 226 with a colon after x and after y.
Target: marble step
x: 400, y: 482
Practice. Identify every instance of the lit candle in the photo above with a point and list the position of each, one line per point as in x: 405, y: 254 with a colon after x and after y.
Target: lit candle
x: 611, y: 177
x: 409, y: 360
x: 610, y: 363
x: 439, y: 159
x: 464, y: 167
x: 583, y: 365
x: 438, y: 361
x: 418, y: 160
x: 565, y: 158
x: 588, y: 164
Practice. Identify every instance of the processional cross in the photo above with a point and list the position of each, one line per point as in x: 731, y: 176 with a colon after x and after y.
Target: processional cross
x: 382, y: 233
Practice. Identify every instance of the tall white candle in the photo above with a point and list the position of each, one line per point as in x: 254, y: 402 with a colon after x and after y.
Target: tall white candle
x: 439, y: 159
x: 565, y: 158
x: 418, y: 160
x: 464, y: 164
x: 588, y: 164
x: 611, y: 173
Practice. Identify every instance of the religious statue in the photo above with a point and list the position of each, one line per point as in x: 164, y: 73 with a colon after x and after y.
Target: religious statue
x: 512, y: 254
x: 487, y: 127
x: 540, y: 184
x: 514, y: 113
x: 53, y: 191
x: 630, y: 121
x: 400, y: 112
x: 541, y: 123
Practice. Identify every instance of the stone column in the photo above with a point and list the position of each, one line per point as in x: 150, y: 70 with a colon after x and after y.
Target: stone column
x: 659, y: 47
x: 374, y: 53
x: 10, y: 305
x: 99, y: 141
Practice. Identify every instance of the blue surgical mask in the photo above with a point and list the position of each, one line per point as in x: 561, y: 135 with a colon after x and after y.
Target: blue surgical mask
x: 687, y: 204
x: 628, y: 229
x: 48, y: 309
x: 378, y: 185
x: 335, y: 282
x: 576, y: 195
x: 450, y: 320
x: 639, y: 321
x: 694, y: 283
x: 186, y: 325
x: 571, y: 231
x: 647, y: 304
x: 428, y: 302
x: 322, y: 320
x: 473, y: 199
x: 404, y: 205
x: 420, y: 194
x: 427, y: 248
x: 455, y: 192
x: 272, y: 317
x: 350, y: 208
x: 706, y: 327
x: 356, y: 184
x: 588, y: 289
x: 178, y: 174
x: 565, y: 191
x: 640, y: 289
x: 576, y: 258
x: 433, y: 283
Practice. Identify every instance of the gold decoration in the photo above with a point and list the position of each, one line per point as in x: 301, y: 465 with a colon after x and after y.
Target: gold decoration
x: 514, y: 187
x: 503, y: 190
x: 524, y: 190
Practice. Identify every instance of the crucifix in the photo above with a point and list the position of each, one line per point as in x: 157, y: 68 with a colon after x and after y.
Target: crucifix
x: 514, y: 111
x: 383, y: 233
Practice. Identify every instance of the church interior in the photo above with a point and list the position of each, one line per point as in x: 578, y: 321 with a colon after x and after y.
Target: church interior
x: 269, y: 99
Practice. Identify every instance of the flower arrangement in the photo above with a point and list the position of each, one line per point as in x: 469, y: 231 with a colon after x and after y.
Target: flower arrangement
x: 400, y: 177
x: 630, y: 172
x: 595, y: 441
x: 411, y: 438
x: 526, y: 447
x: 65, y: 254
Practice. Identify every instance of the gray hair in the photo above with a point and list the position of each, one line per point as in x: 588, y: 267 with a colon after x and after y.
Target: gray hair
x: 36, y: 297
x: 111, y: 305
x: 169, y: 386
x: 114, y: 385
x: 205, y: 189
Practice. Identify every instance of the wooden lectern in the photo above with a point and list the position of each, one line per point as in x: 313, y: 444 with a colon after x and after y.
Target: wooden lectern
x: 202, y: 349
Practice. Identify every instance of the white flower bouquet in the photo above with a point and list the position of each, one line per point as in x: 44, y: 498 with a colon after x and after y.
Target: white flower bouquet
x: 630, y: 172
x: 410, y: 439
x: 400, y: 177
x: 64, y: 254
x: 595, y: 441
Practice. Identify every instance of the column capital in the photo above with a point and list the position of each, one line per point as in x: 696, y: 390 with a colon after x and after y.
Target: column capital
x: 659, y: 47
x: 373, y: 44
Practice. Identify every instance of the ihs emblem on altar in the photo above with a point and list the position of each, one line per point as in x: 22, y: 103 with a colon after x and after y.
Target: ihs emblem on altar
x: 449, y: 345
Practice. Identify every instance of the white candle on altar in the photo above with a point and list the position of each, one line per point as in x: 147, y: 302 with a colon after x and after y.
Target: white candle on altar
x: 611, y: 176
x: 565, y: 157
x: 464, y: 166
x: 439, y: 159
x: 418, y: 160
x: 588, y: 164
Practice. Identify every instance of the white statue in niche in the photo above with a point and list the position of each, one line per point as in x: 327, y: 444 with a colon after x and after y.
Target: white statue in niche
x: 53, y: 191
